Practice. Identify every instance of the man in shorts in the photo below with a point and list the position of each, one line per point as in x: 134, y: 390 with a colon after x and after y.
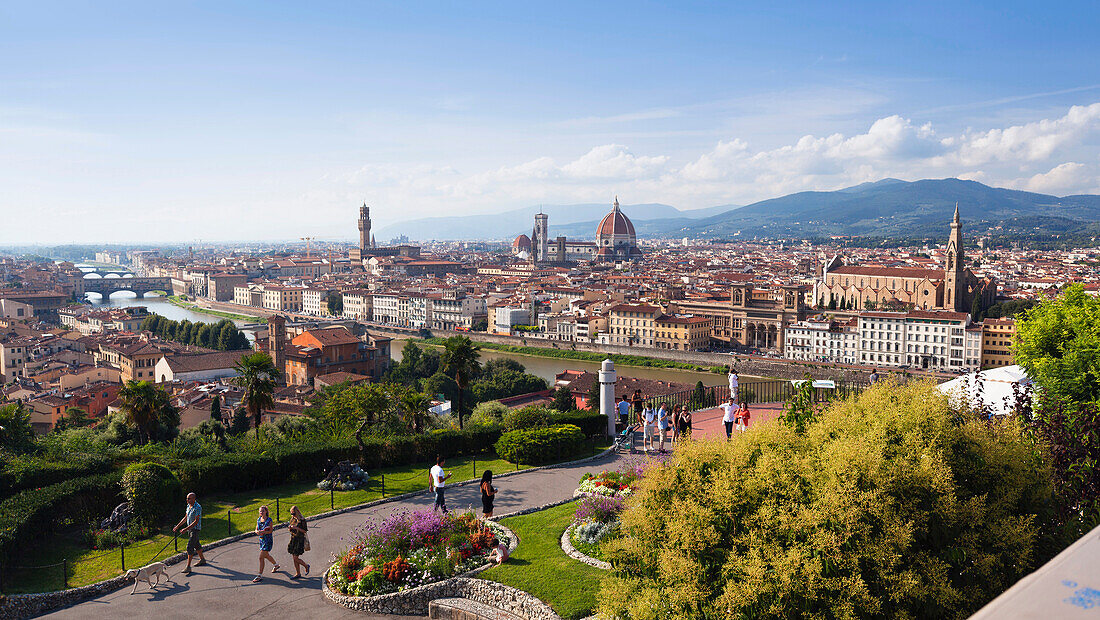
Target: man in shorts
x: 192, y: 524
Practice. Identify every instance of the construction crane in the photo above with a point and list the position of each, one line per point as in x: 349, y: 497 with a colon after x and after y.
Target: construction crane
x: 307, y: 240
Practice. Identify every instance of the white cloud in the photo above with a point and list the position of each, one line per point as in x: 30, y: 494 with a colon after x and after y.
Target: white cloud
x: 1042, y: 155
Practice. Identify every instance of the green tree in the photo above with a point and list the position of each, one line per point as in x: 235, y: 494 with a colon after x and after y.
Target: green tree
x: 593, y: 401
x: 800, y: 410
x: 460, y: 360
x: 148, y: 408
x: 335, y: 304
x: 240, y: 422
x: 75, y: 417
x: 216, y: 409
x: 225, y: 337
x: 258, y: 376
x: 1058, y: 344
x: 414, y: 407
x: 16, y: 433
x: 890, y: 506
x: 563, y: 400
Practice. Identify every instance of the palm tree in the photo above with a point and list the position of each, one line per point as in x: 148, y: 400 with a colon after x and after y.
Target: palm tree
x: 461, y: 361
x: 142, y: 404
x: 415, y: 406
x: 258, y: 377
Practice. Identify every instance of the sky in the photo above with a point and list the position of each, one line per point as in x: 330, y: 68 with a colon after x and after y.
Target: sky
x: 206, y: 121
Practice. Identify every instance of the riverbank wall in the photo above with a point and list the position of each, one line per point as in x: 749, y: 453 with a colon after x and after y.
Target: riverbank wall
x: 744, y: 364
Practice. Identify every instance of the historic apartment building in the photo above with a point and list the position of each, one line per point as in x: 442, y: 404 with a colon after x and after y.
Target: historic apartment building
x: 997, y: 335
x: 750, y: 317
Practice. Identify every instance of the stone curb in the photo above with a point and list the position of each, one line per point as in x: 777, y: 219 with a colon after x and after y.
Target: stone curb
x: 19, y: 606
x: 415, y: 601
x: 571, y: 551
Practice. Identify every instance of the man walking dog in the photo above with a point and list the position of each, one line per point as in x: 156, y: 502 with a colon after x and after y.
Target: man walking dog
x: 192, y: 524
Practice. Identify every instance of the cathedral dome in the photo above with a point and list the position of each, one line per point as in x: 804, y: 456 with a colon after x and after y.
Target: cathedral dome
x: 615, y: 223
x: 522, y: 242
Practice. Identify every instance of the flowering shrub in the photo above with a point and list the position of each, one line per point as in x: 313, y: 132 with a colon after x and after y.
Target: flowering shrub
x: 98, y: 538
x: 599, y: 509
x: 409, y: 549
x: 593, y: 532
x: 607, y: 484
x: 351, y: 481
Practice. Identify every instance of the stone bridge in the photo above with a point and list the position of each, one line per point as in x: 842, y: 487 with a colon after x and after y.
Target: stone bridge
x: 141, y: 286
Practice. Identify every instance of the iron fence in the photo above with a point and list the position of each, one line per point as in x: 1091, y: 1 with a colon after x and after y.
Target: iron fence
x: 771, y: 391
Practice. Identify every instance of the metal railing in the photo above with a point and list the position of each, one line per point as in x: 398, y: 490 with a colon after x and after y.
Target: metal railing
x: 773, y: 391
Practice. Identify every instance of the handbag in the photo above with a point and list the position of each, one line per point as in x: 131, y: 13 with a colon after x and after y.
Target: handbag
x: 306, y: 547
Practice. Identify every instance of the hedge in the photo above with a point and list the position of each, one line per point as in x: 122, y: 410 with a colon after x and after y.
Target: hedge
x: 29, y: 472
x: 153, y: 491
x: 540, y: 445
x: 589, y: 422
x: 32, y: 513
x: 288, y: 463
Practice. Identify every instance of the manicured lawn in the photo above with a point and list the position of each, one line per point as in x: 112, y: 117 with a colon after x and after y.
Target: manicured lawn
x: 540, y: 567
x: 224, y: 515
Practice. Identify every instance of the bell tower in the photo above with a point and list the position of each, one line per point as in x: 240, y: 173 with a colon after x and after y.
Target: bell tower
x: 365, y: 240
x: 954, y: 280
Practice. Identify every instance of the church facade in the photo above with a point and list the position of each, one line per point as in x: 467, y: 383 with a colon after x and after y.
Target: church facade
x: 615, y: 241
x: 955, y: 288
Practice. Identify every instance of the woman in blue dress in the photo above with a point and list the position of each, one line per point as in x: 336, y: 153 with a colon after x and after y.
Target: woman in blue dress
x: 265, y: 527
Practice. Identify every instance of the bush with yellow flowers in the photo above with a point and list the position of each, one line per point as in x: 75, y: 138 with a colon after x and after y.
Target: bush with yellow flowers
x: 889, y: 505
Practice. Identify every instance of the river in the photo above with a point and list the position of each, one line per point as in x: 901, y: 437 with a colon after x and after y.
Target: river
x: 549, y: 367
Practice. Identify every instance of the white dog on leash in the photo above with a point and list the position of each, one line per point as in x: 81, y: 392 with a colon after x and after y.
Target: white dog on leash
x: 146, y: 573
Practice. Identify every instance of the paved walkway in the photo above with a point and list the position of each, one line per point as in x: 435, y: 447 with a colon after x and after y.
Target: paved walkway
x: 224, y: 588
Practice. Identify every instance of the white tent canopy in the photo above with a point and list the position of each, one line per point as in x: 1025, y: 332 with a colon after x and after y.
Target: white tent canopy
x: 993, y: 388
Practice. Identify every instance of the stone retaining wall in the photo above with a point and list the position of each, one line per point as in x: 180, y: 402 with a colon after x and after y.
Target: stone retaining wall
x: 571, y: 551
x: 19, y: 606
x: 415, y: 602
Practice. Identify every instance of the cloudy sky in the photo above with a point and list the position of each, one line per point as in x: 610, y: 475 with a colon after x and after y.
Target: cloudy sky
x: 128, y: 121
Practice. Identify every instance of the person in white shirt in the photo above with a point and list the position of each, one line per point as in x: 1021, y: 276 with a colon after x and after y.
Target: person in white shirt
x: 733, y: 384
x: 729, y: 414
x: 437, y: 481
x: 649, y: 419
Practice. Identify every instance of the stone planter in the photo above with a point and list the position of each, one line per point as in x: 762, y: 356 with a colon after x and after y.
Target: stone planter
x: 571, y: 551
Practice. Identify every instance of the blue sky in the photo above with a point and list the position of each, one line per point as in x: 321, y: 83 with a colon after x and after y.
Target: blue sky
x: 247, y: 120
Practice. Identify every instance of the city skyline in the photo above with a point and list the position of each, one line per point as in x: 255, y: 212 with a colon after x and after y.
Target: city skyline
x: 131, y: 123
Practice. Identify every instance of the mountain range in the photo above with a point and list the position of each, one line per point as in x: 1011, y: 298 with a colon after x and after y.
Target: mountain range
x: 889, y: 208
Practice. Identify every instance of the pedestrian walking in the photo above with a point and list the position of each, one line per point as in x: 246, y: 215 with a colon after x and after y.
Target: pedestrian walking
x: 488, y: 494
x: 663, y: 424
x: 437, y: 481
x: 649, y: 420
x: 729, y: 415
x: 191, y: 523
x: 265, y: 528
x: 732, y: 378
x: 743, y: 417
x: 623, y: 407
x: 299, y: 541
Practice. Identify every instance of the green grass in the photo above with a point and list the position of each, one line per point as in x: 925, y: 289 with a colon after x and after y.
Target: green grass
x: 176, y: 301
x: 587, y: 356
x: 224, y: 515
x: 540, y: 567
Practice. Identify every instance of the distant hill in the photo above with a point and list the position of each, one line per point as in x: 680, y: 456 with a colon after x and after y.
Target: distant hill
x: 889, y: 208
x: 893, y: 208
x: 578, y: 220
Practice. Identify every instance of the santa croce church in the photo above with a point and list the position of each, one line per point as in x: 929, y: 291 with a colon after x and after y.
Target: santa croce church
x: 956, y: 288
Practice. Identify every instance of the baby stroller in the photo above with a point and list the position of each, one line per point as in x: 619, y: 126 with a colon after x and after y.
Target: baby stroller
x: 625, y: 440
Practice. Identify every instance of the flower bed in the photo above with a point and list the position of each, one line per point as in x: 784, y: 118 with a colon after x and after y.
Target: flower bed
x: 596, y: 521
x: 410, y: 549
x: 622, y: 482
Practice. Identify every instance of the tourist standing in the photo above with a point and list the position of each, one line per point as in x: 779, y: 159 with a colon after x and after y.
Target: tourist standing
x: 685, y: 422
x: 662, y: 426
x: 437, y: 481
x: 488, y: 494
x: 732, y: 378
x: 743, y: 416
x: 265, y: 528
x: 873, y: 377
x: 298, y: 541
x: 729, y: 414
x: 192, y: 524
x: 649, y: 419
x: 637, y: 401
x: 676, y: 422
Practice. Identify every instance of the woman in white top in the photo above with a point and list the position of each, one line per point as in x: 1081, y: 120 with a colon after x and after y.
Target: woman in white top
x: 733, y: 384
